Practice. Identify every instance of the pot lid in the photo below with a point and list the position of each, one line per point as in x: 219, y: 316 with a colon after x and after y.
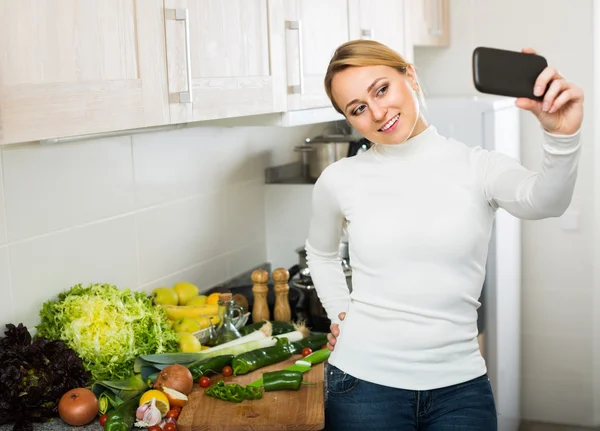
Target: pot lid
x: 323, y: 139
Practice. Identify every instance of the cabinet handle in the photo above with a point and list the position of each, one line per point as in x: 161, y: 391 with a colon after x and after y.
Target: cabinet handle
x: 366, y: 33
x: 183, y: 15
x: 297, y: 89
x: 437, y: 18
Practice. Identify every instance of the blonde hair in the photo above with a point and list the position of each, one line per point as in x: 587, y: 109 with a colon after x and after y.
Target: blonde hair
x: 357, y: 53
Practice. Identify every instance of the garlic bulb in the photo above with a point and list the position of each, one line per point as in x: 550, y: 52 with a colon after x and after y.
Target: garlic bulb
x: 148, y: 415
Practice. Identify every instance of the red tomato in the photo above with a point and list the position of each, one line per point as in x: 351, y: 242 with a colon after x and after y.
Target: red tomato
x: 170, y: 426
x: 227, y: 371
x: 306, y: 351
x: 103, y: 419
x: 155, y: 428
x: 173, y: 414
x: 176, y: 408
x: 324, y: 346
x: 204, y: 382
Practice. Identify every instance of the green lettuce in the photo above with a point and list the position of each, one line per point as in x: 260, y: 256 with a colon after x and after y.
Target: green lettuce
x: 107, y: 327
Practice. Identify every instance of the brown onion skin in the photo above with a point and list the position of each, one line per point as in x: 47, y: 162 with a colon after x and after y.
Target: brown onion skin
x: 176, y: 377
x: 78, y: 407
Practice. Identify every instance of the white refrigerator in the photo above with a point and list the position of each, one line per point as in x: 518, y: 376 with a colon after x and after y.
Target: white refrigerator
x: 493, y: 123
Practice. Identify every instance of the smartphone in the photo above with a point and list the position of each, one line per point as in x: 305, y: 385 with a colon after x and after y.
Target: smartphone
x: 506, y: 73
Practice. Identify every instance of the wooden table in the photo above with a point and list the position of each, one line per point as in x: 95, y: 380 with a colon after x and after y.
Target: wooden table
x: 281, y: 410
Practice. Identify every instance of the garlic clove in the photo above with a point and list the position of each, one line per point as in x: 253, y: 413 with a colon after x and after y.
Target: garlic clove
x: 141, y: 410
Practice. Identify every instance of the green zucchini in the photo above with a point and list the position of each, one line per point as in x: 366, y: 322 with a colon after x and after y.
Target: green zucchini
x: 314, y: 341
x: 209, y: 367
x: 254, y: 359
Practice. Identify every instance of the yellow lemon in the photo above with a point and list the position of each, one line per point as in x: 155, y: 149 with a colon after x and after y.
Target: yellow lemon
x: 185, y: 291
x: 203, y: 322
x: 188, y: 343
x: 162, y: 402
x: 197, y: 300
x: 213, y: 298
x: 187, y: 324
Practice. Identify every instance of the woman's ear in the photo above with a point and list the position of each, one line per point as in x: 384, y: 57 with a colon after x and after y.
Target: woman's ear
x: 411, y: 74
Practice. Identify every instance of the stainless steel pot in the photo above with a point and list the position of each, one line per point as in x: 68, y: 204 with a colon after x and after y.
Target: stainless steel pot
x: 316, y: 314
x: 343, y: 253
x: 322, y: 151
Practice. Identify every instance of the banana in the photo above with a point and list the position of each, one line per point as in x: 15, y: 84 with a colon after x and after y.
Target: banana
x: 175, y: 312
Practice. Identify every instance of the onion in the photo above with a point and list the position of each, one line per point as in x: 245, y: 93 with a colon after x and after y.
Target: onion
x: 176, y: 377
x: 78, y: 407
x: 176, y: 398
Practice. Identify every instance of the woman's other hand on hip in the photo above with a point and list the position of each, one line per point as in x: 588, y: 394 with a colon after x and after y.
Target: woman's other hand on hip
x: 335, y: 332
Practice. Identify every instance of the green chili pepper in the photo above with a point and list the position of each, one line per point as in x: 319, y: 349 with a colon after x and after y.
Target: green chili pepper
x: 313, y: 341
x: 283, y: 380
x: 210, y: 366
x: 233, y: 392
x: 122, y: 417
x: 254, y: 359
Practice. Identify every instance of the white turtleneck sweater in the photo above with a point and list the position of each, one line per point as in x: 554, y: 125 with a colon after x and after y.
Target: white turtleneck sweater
x: 419, y: 218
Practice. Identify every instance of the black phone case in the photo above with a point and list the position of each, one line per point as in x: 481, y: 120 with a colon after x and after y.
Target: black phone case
x: 506, y: 73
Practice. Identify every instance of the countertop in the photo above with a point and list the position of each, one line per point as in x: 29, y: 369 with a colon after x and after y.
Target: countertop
x: 57, y: 424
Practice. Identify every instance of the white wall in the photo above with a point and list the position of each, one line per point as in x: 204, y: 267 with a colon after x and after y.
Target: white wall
x: 596, y: 198
x: 558, y: 268
x: 136, y: 211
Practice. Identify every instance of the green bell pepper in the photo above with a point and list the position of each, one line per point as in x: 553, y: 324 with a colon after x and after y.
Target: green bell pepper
x: 122, y: 418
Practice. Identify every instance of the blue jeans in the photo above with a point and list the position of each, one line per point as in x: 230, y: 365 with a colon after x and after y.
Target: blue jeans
x: 354, y: 404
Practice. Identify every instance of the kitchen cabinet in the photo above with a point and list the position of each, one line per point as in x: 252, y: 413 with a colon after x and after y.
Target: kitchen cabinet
x: 386, y: 21
x: 313, y: 30
x: 72, y: 68
x: 431, y: 22
x: 218, y: 56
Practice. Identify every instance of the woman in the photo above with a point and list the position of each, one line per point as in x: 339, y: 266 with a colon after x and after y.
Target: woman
x: 418, y: 208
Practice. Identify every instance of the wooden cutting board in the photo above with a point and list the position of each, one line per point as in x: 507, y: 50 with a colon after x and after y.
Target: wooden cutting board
x: 281, y: 410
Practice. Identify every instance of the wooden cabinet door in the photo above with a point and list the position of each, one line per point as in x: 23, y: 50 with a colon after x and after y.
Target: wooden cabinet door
x: 220, y: 51
x: 71, y: 67
x: 431, y: 20
x: 386, y: 21
x: 313, y: 30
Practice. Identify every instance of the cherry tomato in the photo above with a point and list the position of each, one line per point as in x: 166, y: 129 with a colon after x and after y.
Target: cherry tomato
x: 204, y: 382
x: 170, y: 426
x: 155, y: 428
x: 173, y: 414
x: 103, y: 419
x: 227, y: 371
x: 306, y: 351
x: 324, y: 346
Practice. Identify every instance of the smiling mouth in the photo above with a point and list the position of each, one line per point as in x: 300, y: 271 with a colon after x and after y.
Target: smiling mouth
x: 391, y: 124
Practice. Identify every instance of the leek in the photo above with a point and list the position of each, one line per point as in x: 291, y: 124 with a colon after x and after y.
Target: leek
x: 236, y: 349
x: 265, y: 331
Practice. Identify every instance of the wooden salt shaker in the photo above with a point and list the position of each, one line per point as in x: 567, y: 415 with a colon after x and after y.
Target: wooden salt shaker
x: 260, y: 307
x: 282, y: 310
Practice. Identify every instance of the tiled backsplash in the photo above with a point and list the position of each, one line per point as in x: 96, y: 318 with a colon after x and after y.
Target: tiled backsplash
x: 135, y: 211
x: 288, y: 211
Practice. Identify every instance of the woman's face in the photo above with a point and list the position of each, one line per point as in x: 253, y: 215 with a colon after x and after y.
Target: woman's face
x: 379, y: 102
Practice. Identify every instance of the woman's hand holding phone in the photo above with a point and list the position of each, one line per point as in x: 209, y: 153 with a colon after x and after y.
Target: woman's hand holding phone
x: 561, y: 110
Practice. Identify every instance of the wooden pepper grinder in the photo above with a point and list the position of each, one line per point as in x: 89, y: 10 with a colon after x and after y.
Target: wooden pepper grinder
x: 282, y: 310
x: 260, y: 307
